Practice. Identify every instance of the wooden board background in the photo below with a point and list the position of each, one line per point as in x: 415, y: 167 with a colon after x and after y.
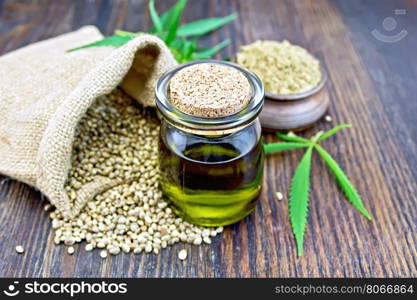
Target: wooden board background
x: 372, y: 85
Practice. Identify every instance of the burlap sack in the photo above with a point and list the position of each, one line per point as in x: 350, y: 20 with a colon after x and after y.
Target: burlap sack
x: 44, y: 92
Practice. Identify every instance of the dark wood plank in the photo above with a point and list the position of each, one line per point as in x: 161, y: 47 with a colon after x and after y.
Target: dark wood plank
x: 372, y: 85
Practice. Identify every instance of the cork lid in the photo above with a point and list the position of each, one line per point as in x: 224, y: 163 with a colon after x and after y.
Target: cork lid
x: 209, y: 90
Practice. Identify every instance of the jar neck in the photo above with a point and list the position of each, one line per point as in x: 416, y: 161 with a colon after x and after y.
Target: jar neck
x: 209, y: 126
x: 214, y: 132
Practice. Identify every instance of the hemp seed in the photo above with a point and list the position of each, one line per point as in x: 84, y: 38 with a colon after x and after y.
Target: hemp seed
x: 197, y: 240
x: 88, y: 247
x: 182, y: 254
x: 20, y: 249
x: 103, y: 253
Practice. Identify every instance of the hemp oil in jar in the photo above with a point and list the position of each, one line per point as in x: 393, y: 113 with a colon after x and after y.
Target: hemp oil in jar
x: 210, y: 149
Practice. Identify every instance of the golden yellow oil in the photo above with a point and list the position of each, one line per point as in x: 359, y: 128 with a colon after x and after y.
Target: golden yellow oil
x: 211, y: 183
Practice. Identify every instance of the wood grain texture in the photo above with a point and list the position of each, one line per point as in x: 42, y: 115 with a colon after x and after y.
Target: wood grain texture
x: 371, y: 84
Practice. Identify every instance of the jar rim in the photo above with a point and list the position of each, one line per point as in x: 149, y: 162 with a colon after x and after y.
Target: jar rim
x: 239, y: 119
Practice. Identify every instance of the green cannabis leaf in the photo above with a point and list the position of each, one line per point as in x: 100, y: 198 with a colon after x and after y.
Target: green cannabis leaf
x: 154, y: 16
x: 343, y: 181
x: 298, y: 203
x: 167, y: 19
x: 126, y: 33
x: 204, y: 26
x: 167, y: 27
x: 175, y: 21
x: 113, y: 40
x: 275, y: 147
x: 292, y: 138
x: 209, y: 52
x: 333, y: 131
x: 300, y: 183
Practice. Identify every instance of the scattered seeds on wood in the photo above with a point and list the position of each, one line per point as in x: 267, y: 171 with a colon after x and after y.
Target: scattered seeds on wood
x: 182, y: 254
x: 20, y: 249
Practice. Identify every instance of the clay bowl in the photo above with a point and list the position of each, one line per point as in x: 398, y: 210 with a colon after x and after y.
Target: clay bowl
x: 295, y: 112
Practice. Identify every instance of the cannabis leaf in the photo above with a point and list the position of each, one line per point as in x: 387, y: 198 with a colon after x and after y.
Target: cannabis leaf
x: 174, y: 21
x: 292, y: 138
x: 333, y: 131
x: 300, y: 183
x: 298, y: 203
x: 204, y: 26
x: 167, y: 27
x: 126, y: 33
x: 154, y: 16
x: 167, y: 19
x: 343, y: 181
x: 209, y: 52
x: 275, y: 147
x: 113, y: 40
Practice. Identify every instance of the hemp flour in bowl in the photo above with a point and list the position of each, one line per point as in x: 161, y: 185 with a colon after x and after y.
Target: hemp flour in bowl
x: 288, y: 71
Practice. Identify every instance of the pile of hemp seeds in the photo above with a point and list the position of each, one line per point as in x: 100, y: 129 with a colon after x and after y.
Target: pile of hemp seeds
x: 118, y: 139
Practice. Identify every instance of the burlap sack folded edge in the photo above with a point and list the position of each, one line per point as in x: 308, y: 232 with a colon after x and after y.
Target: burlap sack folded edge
x: 54, y: 155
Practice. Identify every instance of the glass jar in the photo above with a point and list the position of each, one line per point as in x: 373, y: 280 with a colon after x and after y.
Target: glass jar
x: 211, y: 169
